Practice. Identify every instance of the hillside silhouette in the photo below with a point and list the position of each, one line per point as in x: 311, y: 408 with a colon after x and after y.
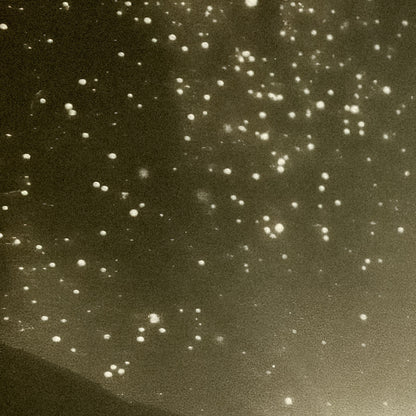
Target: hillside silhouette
x: 32, y: 386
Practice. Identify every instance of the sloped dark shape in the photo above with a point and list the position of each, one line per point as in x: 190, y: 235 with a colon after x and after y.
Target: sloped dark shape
x: 32, y: 386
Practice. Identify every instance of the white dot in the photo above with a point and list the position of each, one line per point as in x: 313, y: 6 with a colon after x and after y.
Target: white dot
x: 106, y: 336
x: 81, y: 263
x: 400, y: 230
x: 162, y: 330
x: 134, y: 213
x: 154, y: 318
x: 201, y: 262
x: 68, y: 106
x: 255, y: 176
x: 227, y: 171
x: 82, y: 81
x: 288, y: 401
x: 44, y: 318
x: 85, y: 135
x: 3, y: 26
x: 264, y: 136
x: 147, y: 20
x: 325, y: 176
x: 337, y: 202
x: 121, y: 54
x: 262, y: 115
x: 251, y: 3
x: 108, y: 374
x: 56, y: 338
x: 320, y: 105
x: 112, y: 156
x: 26, y: 156
x: 363, y: 317
x: 191, y: 117
x: 121, y: 371
x: 205, y: 45
x: 172, y: 37
x: 103, y: 233
x: 354, y: 109
x: 140, y: 339
x: 279, y: 228
x: 96, y: 184
x: 387, y: 90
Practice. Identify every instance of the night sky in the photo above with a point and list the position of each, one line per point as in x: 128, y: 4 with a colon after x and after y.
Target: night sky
x: 210, y: 206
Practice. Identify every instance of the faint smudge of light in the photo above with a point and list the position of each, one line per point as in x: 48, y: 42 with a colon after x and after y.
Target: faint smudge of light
x: 143, y: 173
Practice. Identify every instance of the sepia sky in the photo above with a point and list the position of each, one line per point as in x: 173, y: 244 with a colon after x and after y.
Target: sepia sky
x: 210, y: 206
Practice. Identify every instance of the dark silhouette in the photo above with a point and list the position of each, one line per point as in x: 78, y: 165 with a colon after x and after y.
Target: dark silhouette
x: 32, y: 386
